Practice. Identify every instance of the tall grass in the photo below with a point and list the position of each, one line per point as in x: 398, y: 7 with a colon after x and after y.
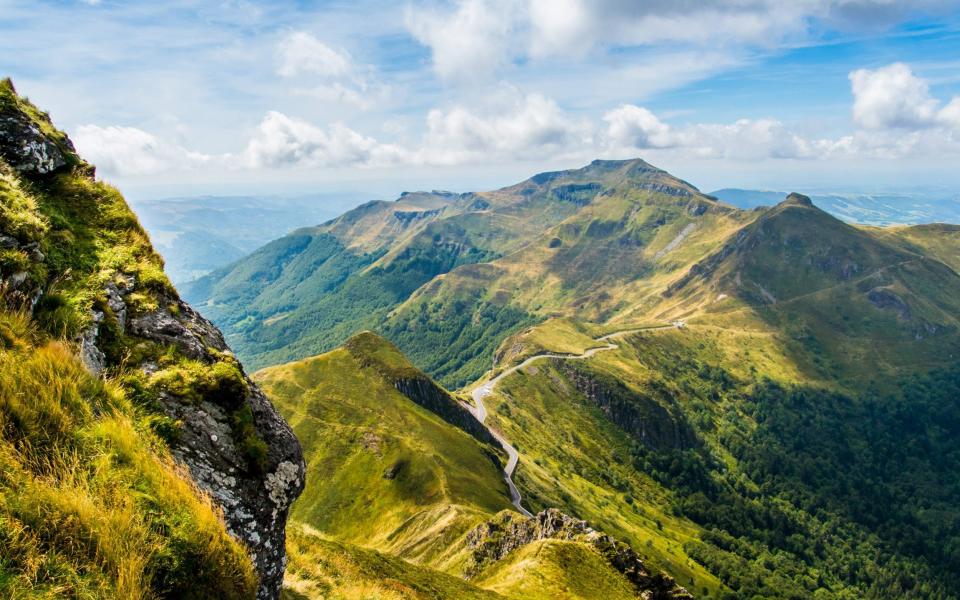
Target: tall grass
x: 91, y: 504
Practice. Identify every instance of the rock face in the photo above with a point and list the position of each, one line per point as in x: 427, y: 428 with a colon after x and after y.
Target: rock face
x: 25, y: 147
x: 429, y: 395
x: 255, y: 495
x: 255, y: 502
x: 496, y: 538
x: 643, y: 418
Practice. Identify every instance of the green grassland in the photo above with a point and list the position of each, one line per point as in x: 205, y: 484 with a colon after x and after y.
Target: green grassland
x: 555, y: 569
x: 321, y: 567
x: 393, y: 490
x: 383, y: 471
x: 772, y: 464
x: 91, y: 503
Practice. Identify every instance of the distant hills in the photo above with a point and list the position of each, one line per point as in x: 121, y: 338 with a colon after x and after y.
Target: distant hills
x: 867, y: 209
x: 198, y: 234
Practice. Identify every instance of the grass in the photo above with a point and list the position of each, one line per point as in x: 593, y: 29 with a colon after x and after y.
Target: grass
x: 573, y: 458
x: 383, y: 472
x: 91, y: 504
x: 548, y: 569
x: 321, y: 567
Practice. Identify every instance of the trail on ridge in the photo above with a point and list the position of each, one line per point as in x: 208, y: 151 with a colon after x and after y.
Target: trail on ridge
x: 479, y: 410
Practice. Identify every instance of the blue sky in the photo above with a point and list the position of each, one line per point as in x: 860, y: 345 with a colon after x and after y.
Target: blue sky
x: 183, y: 97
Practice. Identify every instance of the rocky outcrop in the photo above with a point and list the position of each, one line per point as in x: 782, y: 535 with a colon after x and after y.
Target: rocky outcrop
x: 644, y: 418
x: 508, y: 531
x: 24, y: 145
x: 406, y: 217
x: 432, y: 397
x: 255, y: 499
x: 228, y: 435
x: 884, y: 298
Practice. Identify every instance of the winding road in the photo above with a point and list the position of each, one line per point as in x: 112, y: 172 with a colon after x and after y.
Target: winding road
x: 479, y: 410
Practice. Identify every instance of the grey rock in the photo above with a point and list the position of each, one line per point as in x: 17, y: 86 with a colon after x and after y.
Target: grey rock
x: 884, y: 298
x: 8, y: 241
x: 190, y: 332
x: 17, y: 279
x: 255, y: 505
x: 92, y: 357
x: 117, y: 305
x: 26, y: 148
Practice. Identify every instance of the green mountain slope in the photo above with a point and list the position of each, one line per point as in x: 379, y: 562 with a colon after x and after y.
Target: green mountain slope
x: 760, y: 402
x: 383, y: 466
x: 745, y: 482
x: 841, y: 295
x: 136, y: 459
x: 479, y: 260
x: 393, y: 480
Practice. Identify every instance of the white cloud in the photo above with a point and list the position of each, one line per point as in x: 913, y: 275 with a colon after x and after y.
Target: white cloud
x: 560, y: 27
x: 632, y: 126
x: 470, y: 42
x: 326, y: 74
x: 891, y: 97
x: 895, y: 116
x: 301, y: 53
x: 131, y: 151
x: 511, y: 125
x: 474, y: 38
x: 949, y: 116
x: 283, y: 141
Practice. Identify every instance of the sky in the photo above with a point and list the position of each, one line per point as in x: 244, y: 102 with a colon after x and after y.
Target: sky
x: 235, y: 96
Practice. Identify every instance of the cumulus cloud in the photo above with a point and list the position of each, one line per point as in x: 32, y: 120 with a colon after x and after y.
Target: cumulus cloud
x: 471, y: 41
x: 891, y: 97
x: 284, y: 141
x: 131, y: 151
x: 512, y: 125
x: 325, y: 73
x: 894, y: 116
x: 632, y: 126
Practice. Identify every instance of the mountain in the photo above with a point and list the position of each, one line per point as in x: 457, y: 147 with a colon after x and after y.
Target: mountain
x: 376, y: 267
x: 399, y: 477
x: 196, y: 235
x: 758, y: 402
x: 868, y: 209
x: 138, y: 460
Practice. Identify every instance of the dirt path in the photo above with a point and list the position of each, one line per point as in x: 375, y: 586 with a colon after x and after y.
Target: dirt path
x: 483, y: 390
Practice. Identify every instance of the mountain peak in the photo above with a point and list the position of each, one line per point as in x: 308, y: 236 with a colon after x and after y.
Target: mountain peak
x: 797, y: 200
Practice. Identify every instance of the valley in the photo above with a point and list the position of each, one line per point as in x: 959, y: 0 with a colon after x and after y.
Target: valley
x: 429, y: 300
x: 628, y: 389
x: 663, y: 337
